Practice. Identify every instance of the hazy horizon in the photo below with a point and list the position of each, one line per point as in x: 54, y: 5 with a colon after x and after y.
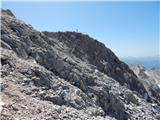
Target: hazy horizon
x: 129, y: 29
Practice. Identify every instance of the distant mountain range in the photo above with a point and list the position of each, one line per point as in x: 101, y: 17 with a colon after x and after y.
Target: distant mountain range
x: 148, y: 62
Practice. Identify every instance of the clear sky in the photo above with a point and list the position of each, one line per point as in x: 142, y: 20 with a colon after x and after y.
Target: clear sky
x: 127, y: 28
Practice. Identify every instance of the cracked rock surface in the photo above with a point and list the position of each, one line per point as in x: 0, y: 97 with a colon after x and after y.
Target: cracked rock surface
x: 66, y: 76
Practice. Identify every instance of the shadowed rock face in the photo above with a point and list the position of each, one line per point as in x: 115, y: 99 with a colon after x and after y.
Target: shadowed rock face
x: 65, y: 75
x: 95, y: 53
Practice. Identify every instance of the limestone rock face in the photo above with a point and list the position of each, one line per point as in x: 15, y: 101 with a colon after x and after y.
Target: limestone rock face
x: 66, y: 75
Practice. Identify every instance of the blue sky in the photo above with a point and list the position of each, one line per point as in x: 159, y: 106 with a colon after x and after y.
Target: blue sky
x: 127, y: 28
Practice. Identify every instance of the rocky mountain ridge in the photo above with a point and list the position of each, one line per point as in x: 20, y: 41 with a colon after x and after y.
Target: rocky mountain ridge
x: 150, y: 79
x: 66, y: 75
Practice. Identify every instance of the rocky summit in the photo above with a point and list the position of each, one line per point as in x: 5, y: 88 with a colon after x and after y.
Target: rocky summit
x: 67, y: 76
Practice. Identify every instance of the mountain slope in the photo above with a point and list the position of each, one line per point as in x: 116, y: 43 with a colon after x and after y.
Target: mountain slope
x: 66, y: 75
x: 95, y: 53
x: 149, y: 78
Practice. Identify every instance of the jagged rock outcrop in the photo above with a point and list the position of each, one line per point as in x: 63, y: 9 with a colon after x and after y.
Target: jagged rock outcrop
x: 95, y: 53
x: 149, y: 78
x: 66, y: 75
